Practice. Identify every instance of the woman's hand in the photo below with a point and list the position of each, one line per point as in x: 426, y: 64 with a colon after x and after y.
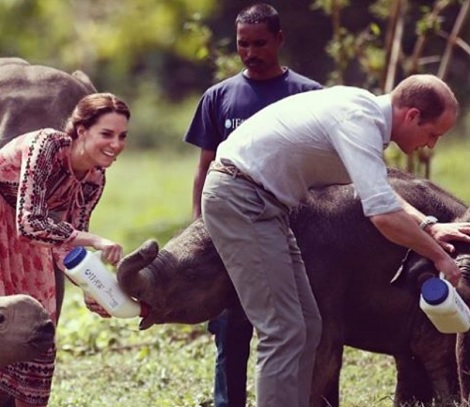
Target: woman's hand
x: 93, y: 306
x: 111, y: 252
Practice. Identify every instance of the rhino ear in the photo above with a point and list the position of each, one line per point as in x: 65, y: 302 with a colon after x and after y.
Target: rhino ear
x: 413, y: 272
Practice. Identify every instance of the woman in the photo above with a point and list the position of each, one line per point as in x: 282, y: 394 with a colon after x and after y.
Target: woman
x: 50, y: 182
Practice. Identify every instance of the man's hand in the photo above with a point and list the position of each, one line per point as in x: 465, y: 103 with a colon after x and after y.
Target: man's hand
x: 444, y: 233
x: 450, y: 270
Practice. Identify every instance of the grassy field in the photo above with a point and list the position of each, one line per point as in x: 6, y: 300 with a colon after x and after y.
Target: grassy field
x: 111, y: 363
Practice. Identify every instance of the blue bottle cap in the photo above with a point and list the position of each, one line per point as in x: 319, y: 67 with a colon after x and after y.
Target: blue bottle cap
x: 74, y: 257
x: 434, y: 291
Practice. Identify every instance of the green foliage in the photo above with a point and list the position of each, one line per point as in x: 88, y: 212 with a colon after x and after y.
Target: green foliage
x: 370, y: 46
x: 427, y: 24
x: 347, y: 47
x: 88, y: 32
x: 115, y: 364
x: 157, y: 123
x: 328, y: 6
x: 381, y: 9
x: 158, y: 54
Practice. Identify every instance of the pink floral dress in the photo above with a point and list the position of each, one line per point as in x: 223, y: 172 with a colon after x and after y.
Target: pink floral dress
x: 42, y: 205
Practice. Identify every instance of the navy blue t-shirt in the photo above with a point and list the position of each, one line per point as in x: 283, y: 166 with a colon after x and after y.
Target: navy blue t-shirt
x: 224, y: 106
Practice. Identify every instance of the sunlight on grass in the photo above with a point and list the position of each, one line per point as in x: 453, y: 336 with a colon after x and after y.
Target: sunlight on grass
x: 367, y: 379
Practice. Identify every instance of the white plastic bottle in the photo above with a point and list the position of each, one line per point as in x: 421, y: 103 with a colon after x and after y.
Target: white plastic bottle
x: 86, y: 269
x: 444, y: 306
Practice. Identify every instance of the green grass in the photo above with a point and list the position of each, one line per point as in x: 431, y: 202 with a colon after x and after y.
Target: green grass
x: 110, y: 363
x: 105, y: 362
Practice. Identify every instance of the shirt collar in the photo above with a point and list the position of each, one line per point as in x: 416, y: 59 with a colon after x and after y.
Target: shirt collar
x: 385, y: 105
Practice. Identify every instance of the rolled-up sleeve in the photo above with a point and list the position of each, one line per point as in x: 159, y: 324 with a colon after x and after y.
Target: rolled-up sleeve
x: 42, y: 177
x: 358, y: 141
x: 33, y: 221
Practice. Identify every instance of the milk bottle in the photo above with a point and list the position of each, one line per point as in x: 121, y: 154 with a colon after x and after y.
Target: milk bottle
x: 86, y: 269
x: 444, y: 306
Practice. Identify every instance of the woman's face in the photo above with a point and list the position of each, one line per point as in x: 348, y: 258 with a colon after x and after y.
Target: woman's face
x: 102, y: 142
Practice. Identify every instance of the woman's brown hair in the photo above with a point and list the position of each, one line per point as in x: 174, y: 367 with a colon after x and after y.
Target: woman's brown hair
x: 91, y: 107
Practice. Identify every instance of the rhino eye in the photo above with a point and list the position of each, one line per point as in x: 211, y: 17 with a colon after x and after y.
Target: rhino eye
x: 2, y: 318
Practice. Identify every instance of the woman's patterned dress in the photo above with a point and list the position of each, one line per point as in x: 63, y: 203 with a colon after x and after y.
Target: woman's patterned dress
x: 42, y: 205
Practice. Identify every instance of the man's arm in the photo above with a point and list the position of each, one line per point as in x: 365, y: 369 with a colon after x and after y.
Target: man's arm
x: 444, y: 233
x: 205, y: 158
x: 402, y: 228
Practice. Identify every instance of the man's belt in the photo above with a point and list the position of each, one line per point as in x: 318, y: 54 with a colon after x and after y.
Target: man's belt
x: 230, y: 169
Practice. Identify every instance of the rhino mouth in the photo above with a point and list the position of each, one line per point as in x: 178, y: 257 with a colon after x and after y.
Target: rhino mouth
x: 463, y: 262
x: 154, y: 317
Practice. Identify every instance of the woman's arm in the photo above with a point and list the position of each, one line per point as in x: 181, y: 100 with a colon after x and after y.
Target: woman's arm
x: 112, y: 252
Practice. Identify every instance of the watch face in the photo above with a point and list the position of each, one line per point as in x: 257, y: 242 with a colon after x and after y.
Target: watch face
x: 428, y: 220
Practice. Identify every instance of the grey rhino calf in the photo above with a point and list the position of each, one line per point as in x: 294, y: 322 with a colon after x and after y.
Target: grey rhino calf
x: 26, y: 329
x: 37, y: 96
x: 350, y: 266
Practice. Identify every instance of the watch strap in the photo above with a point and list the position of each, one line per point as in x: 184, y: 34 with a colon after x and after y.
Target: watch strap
x: 428, y: 220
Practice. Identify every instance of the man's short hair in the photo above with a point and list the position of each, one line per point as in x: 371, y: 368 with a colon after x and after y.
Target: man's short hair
x: 260, y: 13
x: 427, y: 93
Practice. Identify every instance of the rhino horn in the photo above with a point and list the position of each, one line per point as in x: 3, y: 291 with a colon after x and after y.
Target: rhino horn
x: 129, y: 268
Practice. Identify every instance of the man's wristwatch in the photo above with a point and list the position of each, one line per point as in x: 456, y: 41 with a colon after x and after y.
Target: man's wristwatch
x: 428, y: 220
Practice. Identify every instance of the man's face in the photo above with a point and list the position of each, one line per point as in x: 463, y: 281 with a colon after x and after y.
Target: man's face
x: 258, y: 49
x: 416, y: 134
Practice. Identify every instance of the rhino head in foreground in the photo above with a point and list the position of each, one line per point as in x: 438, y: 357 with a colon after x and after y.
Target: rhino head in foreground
x: 188, y: 279
x: 26, y: 329
x: 350, y: 266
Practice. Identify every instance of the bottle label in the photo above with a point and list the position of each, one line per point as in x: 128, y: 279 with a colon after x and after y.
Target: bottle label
x: 97, y: 284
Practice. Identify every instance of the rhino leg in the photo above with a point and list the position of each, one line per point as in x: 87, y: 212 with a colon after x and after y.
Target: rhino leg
x: 436, y: 353
x: 413, y: 384
x: 463, y: 361
x: 325, y: 385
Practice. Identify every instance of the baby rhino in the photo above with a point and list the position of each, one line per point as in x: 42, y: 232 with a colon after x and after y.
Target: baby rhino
x: 26, y: 329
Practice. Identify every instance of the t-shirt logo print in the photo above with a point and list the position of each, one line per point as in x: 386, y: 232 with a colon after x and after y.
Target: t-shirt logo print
x: 233, y: 123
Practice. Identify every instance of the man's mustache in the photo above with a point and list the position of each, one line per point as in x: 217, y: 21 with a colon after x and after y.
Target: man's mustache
x: 253, y: 61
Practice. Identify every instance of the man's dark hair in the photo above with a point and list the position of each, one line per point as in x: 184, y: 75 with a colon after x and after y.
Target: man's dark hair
x: 260, y: 13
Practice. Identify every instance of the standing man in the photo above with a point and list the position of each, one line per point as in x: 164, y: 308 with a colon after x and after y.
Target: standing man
x: 330, y: 136
x: 221, y: 110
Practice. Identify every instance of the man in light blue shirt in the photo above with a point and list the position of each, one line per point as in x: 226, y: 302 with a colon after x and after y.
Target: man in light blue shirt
x: 324, y: 137
x: 222, y: 108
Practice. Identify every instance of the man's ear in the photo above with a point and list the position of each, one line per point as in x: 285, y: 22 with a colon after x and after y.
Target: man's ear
x: 413, y: 114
